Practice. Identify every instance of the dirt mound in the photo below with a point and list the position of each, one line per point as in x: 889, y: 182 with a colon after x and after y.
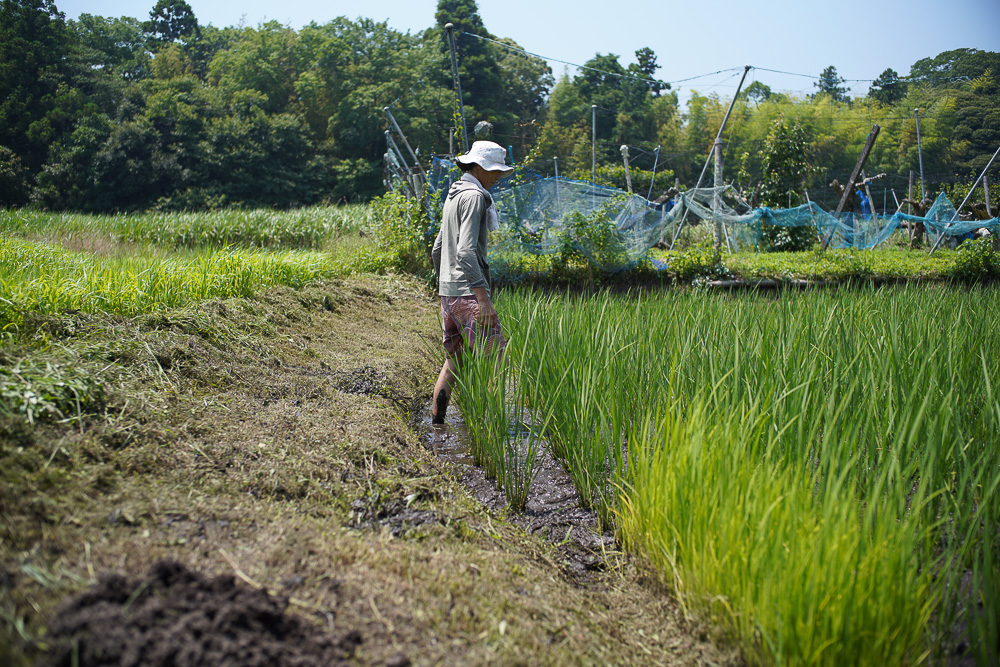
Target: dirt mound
x: 176, y: 616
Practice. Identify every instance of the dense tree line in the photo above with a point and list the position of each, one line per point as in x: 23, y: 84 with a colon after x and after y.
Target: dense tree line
x: 117, y: 114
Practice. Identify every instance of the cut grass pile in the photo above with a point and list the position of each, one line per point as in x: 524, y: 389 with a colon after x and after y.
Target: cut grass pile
x: 819, y: 472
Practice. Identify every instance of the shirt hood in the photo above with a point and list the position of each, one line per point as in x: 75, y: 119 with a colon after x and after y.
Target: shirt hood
x: 469, y: 182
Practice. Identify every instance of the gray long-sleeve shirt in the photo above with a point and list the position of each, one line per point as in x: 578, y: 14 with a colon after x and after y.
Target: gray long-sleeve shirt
x: 460, y: 248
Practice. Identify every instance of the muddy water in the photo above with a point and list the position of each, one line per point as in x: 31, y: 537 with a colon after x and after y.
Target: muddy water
x: 553, y: 509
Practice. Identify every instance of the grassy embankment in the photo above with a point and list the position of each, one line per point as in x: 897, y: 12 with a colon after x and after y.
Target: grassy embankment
x: 819, y: 473
x: 164, y: 398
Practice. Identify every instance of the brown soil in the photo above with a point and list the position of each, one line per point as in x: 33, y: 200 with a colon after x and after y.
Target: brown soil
x: 175, y: 616
x: 277, y: 440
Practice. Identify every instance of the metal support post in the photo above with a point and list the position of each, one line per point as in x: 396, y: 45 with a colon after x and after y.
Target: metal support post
x: 920, y: 154
x: 593, y: 144
x: 718, y: 137
x: 402, y: 136
x: 717, y: 223
x: 558, y: 198
x: 450, y: 27
x: 656, y: 159
x: 974, y: 185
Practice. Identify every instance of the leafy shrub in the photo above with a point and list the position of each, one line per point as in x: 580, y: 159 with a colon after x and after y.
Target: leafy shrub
x: 403, y: 232
x: 976, y: 260
x: 592, y: 240
x: 697, y: 262
x: 775, y: 238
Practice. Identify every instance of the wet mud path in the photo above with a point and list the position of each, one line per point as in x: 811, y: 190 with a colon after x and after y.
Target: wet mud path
x: 553, y: 509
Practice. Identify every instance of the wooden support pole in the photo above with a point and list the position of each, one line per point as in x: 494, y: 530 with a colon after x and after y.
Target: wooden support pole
x: 854, y: 178
x: 628, y: 172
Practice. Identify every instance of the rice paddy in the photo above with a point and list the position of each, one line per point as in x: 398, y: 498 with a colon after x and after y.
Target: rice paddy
x: 817, y: 473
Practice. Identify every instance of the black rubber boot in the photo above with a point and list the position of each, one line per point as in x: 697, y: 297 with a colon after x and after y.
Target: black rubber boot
x: 437, y: 414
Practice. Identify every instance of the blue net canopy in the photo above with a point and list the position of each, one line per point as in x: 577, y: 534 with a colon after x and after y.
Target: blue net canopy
x: 613, y: 229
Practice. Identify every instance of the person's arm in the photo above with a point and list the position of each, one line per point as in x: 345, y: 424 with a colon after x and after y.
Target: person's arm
x: 436, y: 255
x: 472, y: 208
x: 487, y: 313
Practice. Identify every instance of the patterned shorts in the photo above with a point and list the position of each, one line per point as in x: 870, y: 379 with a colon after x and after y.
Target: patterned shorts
x: 459, y: 315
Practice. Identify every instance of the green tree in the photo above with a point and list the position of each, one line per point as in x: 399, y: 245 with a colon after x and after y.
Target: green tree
x: 977, y: 127
x: 478, y: 61
x: 757, y: 92
x: 623, y: 97
x: 830, y: 84
x: 954, y: 67
x: 350, y: 71
x: 527, y: 81
x: 787, y: 165
x: 253, y: 159
x: 36, y: 57
x: 265, y: 60
x: 646, y: 67
x: 116, y: 46
x: 13, y: 180
x: 888, y: 88
x: 171, y: 21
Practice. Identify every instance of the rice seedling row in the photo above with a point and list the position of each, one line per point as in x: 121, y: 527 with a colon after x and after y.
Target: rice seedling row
x: 817, y: 473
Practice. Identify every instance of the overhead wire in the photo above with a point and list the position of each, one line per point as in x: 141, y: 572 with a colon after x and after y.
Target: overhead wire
x: 595, y: 69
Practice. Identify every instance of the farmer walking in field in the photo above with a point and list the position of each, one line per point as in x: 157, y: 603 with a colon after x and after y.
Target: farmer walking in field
x: 464, y: 285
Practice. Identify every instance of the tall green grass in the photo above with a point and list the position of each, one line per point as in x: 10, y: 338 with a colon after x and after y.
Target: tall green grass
x: 817, y: 472
x: 45, y: 279
x: 306, y: 228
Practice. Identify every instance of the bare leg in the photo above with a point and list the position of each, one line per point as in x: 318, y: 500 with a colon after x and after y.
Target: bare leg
x: 442, y: 391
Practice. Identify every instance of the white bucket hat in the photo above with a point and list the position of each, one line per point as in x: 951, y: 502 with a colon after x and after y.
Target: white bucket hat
x: 488, y: 155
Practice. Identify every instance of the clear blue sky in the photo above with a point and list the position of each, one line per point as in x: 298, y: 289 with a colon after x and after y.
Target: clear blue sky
x: 690, y: 39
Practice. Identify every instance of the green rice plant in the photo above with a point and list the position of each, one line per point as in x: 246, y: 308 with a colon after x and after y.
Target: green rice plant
x: 523, y: 446
x: 481, y: 385
x: 505, y: 439
x: 519, y: 453
x: 818, y: 472
x: 745, y: 540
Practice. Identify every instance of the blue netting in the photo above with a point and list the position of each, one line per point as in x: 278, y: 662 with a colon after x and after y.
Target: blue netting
x: 613, y: 229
